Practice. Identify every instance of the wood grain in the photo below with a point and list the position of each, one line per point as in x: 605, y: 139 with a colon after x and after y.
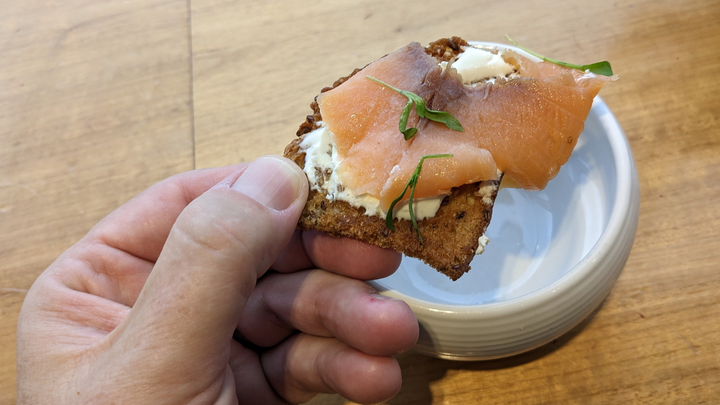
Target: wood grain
x: 99, y: 100
x: 94, y: 107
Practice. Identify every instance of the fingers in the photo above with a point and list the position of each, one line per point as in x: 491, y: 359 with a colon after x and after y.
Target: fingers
x: 305, y: 365
x: 220, y: 244
x: 123, y: 247
x: 141, y: 226
x: 324, y: 304
x: 116, y: 257
x: 293, y: 257
x: 349, y: 257
x: 251, y: 385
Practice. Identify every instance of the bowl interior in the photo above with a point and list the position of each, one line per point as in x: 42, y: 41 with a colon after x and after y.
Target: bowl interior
x: 536, y: 237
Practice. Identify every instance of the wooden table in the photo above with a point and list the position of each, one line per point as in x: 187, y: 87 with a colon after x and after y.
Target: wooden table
x: 99, y: 100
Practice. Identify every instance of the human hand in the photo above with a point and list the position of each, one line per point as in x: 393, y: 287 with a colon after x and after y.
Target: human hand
x: 144, y: 308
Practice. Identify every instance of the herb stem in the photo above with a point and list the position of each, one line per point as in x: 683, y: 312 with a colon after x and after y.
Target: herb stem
x: 412, y: 183
x: 600, y: 68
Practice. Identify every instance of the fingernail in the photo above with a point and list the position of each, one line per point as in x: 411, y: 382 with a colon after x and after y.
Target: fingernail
x: 270, y: 181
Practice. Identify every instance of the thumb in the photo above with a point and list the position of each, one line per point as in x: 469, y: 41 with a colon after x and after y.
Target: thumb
x: 218, y: 247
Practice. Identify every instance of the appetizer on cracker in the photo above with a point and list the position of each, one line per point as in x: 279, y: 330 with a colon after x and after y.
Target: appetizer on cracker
x: 408, y: 152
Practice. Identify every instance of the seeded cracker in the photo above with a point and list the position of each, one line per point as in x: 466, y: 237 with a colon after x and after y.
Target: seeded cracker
x: 450, y: 237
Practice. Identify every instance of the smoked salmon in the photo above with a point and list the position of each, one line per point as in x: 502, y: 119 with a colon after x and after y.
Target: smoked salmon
x: 525, y: 126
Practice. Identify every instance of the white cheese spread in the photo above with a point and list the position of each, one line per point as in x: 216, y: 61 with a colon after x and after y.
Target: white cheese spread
x: 477, y: 65
x: 482, y: 242
x: 321, y: 162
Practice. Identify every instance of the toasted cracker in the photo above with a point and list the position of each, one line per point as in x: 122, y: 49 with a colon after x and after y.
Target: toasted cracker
x: 450, y: 238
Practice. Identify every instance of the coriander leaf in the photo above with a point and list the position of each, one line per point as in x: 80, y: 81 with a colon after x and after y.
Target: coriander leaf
x: 601, y: 68
x: 412, y: 183
x: 422, y: 111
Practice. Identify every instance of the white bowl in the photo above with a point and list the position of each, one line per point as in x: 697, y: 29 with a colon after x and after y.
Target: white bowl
x: 553, y: 257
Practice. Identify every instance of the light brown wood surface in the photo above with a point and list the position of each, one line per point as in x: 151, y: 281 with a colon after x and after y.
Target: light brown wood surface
x: 98, y: 100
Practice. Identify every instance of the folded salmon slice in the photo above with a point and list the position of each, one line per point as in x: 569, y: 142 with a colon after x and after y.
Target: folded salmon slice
x: 526, y: 126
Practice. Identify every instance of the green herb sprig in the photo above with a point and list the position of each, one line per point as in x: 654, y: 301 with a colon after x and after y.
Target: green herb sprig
x: 422, y: 111
x: 600, y: 68
x: 412, y: 183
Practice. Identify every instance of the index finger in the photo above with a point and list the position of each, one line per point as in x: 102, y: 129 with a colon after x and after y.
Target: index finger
x: 344, y: 256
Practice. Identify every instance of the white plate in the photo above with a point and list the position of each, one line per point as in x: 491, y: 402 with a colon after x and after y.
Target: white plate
x: 553, y: 256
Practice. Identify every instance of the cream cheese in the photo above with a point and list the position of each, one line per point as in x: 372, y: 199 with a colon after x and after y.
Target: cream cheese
x: 321, y: 163
x: 477, y: 65
x: 486, y: 191
x: 482, y: 242
x: 422, y: 207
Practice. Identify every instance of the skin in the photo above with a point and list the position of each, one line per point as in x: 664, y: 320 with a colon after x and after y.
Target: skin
x: 169, y: 300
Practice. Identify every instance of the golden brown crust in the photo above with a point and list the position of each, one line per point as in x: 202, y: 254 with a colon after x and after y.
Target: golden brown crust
x: 450, y: 237
x: 446, y: 48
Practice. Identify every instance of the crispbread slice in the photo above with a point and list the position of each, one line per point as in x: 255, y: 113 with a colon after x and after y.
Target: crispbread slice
x: 451, y: 237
